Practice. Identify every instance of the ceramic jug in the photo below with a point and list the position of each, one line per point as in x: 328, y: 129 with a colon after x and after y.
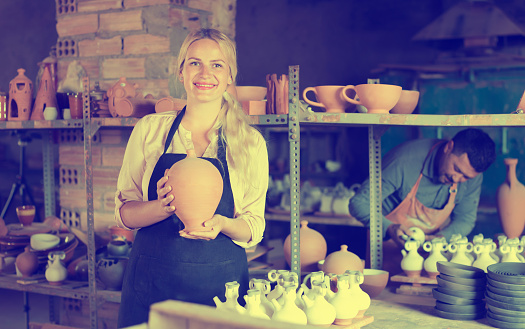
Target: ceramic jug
x: 454, y: 238
x: 511, y: 251
x: 312, y: 248
x: 231, y: 303
x: 412, y: 262
x: 311, y: 279
x: 511, y: 201
x: 436, y: 248
x: 484, y: 257
x: 197, y: 187
x: 319, y: 312
x: 345, y: 307
x: 279, y: 277
x: 120, y: 90
x: 288, y: 311
x: 461, y: 252
x: 361, y: 298
x: 56, y: 273
x: 253, y: 304
x: 264, y: 287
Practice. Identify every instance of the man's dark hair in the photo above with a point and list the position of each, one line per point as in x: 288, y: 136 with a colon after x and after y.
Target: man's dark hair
x: 478, y: 145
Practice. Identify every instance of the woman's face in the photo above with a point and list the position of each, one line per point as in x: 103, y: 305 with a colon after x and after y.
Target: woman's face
x: 205, y: 72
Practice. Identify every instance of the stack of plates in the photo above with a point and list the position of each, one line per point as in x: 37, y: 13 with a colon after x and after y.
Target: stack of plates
x: 460, y: 291
x: 506, y: 295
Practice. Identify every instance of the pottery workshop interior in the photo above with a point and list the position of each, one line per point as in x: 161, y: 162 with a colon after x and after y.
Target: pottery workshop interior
x: 262, y: 164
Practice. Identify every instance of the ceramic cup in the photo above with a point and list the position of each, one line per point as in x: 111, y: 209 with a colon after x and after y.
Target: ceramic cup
x: 25, y: 214
x: 329, y: 97
x: 377, y: 98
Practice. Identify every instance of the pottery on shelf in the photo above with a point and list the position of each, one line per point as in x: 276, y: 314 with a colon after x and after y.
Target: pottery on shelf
x: 20, y: 97
x: 312, y: 248
x: 26, y: 263
x: 3, y: 106
x: 118, y: 248
x: 407, y: 102
x: 328, y: 97
x: 50, y: 113
x: 510, y: 201
x: 111, y: 272
x: 377, y: 98
x: 120, y: 90
x: 75, y: 105
x: 26, y: 214
x: 250, y: 93
x: 45, y: 98
x: 412, y: 262
x: 340, y: 261
x: 56, y: 273
x: 197, y: 187
x: 280, y: 277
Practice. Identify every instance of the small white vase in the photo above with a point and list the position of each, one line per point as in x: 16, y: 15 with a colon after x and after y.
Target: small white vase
x: 50, y: 113
x: 56, y: 273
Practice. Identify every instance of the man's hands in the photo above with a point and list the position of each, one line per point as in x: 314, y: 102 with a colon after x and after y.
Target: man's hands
x: 399, y: 234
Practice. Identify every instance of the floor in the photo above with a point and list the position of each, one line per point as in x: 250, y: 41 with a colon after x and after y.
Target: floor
x: 12, y: 315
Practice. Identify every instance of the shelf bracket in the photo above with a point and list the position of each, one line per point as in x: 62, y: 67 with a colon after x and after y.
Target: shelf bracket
x: 376, y: 215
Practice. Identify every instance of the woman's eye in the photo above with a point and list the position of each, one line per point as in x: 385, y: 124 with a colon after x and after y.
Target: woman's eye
x: 217, y: 65
x: 194, y: 63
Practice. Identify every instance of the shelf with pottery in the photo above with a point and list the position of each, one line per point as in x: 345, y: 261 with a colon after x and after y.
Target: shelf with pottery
x: 40, y: 124
x: 317, y: 218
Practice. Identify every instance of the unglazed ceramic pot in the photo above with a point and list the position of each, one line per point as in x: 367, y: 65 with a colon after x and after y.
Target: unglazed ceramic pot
x: 231, y: 294
x: 345, y: 305
x: 312, y: 248
x: 319, y: 312
x: 412, y: 262
x: 484, y: 259
x: 288, y: 311
x: 20, y: 97
x: 56, y: 273
x: 26, y: 263
x: 374, y: 281
x: 329, y: 97
x: 511, y: 201
x: 45, y: 98
x: 377, y: 98
x: 340, y: 261
x: 461, y: 252
x: 197, y: 187
x: 360, y: 297
x: 50, y: 113
x: 264, y: 288
x: 250, y: 93
x: 407, y: 102
x: 253, y: 304
x: 26, y: 214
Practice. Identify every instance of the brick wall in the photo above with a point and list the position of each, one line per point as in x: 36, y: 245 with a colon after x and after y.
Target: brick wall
x: 136, y: 39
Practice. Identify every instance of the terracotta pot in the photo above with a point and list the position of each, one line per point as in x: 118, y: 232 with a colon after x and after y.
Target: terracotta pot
x: 197, y: 188
x: 121, y: 233
x: 20, y: 97
x: 407, y: 102
x: 340, y: 261
x: 26, y: 263
x: 25, y: 214
x: 312, y: 248
x: 45, y: 98
x: 329, y: 97
x: 511, y: 202
x: 377, y: 98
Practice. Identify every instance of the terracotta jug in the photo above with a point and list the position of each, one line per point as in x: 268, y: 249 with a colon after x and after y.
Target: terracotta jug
x: 46, y: 96
x: 377, y: 98
x: 340, y: 261
x: 20, y: 97
x: 56, y: 273
x: 197, y: 187
x: 26, y: 263
x: 511, y: 202
x: 312, y: 248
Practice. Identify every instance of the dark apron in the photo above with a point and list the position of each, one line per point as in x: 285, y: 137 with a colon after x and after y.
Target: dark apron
x: 163, y: 265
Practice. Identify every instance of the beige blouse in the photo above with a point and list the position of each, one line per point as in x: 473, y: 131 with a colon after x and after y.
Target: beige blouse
x: 144, y: 148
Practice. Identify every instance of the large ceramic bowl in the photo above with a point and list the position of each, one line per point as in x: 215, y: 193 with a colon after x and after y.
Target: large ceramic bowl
x: 250, y: 93
x: 43, y: 241
x: 374, y: 282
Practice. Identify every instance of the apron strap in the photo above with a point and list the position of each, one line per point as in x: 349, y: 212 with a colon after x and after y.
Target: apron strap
x: 173, y: 129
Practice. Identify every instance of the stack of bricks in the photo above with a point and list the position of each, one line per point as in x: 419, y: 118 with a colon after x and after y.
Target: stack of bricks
x: 110, y: 39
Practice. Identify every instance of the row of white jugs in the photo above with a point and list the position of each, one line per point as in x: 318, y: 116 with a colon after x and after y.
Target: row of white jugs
x: 289, y: 302
x: 481, y: 252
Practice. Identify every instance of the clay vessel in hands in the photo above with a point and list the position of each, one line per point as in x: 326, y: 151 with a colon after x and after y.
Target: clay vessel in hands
x: 197, y: 187
x: 377, y: 98
x: 510, y: 202
x: 312, y: 248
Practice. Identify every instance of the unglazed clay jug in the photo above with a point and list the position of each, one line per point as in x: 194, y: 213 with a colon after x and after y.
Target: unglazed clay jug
x: 312, y: 248
x: 288, y: 311
x: 253, y: 304
x: 377, y: 98
x: 511, y: 201
x: 20, y: 97
x: 280, y: 277
x: 328, y: 97
x: 345, y: 307
x: 319, y: 312
x: 360, y: 297
x: 461, y: 252
x: 340, y: 261
x: 435, y: 248
x: 511, y: 251
x: 56, y: 273
x: 412, y: 262
x: 26, y: 263
x: 264, y: 287
x: 197, y: 187
x: 46, y: 97
x: 231, y: 294
x: 484, y: 257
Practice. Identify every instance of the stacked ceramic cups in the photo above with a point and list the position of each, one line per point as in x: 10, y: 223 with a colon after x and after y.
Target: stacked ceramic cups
x: 506, y: 295
x: 460, y: 291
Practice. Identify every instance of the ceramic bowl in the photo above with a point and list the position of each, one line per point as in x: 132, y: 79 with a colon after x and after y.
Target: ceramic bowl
x: 449, y: 299
x: 25, y: 214
x: 250, y: 93
x: 451, y: 285
x: 374, y: 282
x: 479, y: 307
x: 407, y: 102
x: 513, y: 273
x: 477, y: 282
x: 459, y: 270
x: 459, y: 316
x: 43, y: 241
x: 462, y: 294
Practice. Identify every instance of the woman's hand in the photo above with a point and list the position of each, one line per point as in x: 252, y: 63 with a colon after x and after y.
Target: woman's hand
x: 164, y: 196
x: 212, y: 228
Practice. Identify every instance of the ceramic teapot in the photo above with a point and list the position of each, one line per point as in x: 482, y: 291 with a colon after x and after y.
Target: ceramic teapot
x: 412, y: 262
x: 231, y: 303
x: 56, y: 273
